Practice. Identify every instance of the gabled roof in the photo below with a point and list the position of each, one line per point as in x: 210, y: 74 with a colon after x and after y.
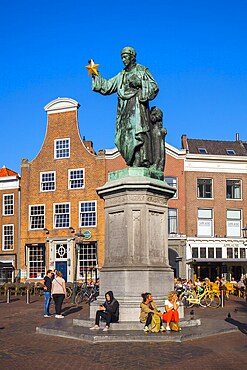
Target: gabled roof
x: 7, y: 172
x: 217, y: 147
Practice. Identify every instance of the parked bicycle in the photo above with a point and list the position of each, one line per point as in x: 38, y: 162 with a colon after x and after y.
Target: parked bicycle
x: 87, y: 294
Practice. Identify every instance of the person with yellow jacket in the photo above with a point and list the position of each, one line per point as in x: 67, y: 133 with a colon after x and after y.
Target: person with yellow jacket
x: 148, y: 311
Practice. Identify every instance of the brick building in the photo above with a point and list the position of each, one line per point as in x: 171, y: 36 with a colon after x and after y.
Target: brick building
x: 10, y: 228
x: 59, y: 200
x: 216, y: 207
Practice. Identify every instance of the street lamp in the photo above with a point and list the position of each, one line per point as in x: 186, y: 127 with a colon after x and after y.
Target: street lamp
x: 78, y: 238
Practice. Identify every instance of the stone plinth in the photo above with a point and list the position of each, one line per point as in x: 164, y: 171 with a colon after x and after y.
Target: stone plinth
x: 136, y: 242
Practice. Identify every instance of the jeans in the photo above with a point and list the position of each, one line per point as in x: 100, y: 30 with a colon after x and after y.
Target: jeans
x: 47, y: 302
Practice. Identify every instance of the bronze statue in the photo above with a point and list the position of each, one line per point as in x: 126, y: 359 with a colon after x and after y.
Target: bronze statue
x: 135, y: 86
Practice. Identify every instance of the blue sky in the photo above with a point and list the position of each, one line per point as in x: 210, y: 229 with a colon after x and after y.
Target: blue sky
x: 196, y: 50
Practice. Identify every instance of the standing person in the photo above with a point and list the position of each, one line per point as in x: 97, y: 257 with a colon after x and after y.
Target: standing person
x: 148, y: 310
x: 171, y: 309
x: 135, y: 86
x: 58, y: 292
x: 109, y: 311
x: 47, y: 282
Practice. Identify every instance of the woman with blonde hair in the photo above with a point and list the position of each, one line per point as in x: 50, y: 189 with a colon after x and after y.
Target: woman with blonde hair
x: 171, y: 310
x: 58, y: 292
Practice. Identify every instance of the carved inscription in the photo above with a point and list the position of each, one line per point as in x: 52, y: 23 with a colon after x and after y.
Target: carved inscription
x: 157, y: 200
x: 117, y: 237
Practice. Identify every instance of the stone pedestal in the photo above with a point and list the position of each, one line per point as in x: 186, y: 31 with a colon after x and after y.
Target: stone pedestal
x: 136, y: 241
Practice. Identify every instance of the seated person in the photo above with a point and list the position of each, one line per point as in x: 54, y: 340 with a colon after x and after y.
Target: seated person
x: 171, y: 309
x: 148, y: 309
x: 241, y: 286
x: 109, y: 312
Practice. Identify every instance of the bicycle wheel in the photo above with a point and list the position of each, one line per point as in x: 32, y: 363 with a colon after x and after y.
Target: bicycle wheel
x: 205, y: 301
x: 215, y: 302
x: 68, y: 292
x: 78, y: 298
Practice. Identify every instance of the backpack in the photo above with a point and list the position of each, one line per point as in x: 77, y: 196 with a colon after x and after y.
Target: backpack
x: 155, y: 323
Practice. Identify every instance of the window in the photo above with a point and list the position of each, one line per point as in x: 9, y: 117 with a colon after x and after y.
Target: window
x: 47, y: 181
x: 229, y: 252
x: 36, y: 261
x: 233, y: 222
x: 204, y: 188
x: 205, y: 222
x: 8, y: 237
x: 210, y: 252
x: 172, y: 221
x: 8, y: 204
x: 62, y: 148
x: 76, y: 179
x: 233, y: 189
x: 202, y: 252
x: 88, y: 214
x: 230, y: 152
x: 218, y: 252
x: 172, y: 181
x: 194, y: 252
x: 202, y: 150
x: 61, y: 251
x: 61, y: 215
x: 88, y: 260
x: 242, y: 253
x: 37, y: 217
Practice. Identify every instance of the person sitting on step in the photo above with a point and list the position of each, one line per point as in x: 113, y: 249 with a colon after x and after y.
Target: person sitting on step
x: 108, y: 311
x: 148, y: 310
x: 171, y: 310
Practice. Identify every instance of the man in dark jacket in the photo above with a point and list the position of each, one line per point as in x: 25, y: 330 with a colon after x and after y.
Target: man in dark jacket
x: 109, y: 312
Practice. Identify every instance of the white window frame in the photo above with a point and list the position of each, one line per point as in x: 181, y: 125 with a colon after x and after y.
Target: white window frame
x: 38, y: 215
x: 55, y: 215
x: 204, y: 222
x: 3, y: 237
x: 3, y: 212
x: 89, y: 212
x: 172, y: 218
x: 70, y: 180
x: 55, y: 148
x: 47, y: 182
x: 240, y: 198
x: 197, y: 190
x: 233, y: 223
x: 174, y: 183
x: 40, y: 263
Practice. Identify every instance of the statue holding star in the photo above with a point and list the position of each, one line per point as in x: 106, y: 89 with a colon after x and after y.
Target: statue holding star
x: 135, y: 87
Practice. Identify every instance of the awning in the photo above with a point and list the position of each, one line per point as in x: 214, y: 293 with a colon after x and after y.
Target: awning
x: 217, y: 260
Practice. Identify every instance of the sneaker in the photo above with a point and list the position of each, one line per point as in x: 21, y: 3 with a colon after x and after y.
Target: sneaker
x: 106, y: 328
x: 168, y: 328
x: 162, y: 329
x: 95, y: 327
x: 59, y: 316
x: 47, y: 316
x: 146, y: 329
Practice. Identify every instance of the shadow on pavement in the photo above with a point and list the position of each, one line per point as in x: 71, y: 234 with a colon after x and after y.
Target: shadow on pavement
x: 242, y: 327
x: 69, y: 310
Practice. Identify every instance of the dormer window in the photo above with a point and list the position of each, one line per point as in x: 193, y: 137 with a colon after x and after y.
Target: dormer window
x: 230, y: 152
x: 202, y: 150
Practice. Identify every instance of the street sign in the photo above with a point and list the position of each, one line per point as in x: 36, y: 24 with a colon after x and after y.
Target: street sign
x: 87, y: 234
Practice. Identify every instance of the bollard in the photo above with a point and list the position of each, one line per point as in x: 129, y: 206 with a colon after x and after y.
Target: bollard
x: 28, y: 297
x: 222, y: 298
x: 8, y: 296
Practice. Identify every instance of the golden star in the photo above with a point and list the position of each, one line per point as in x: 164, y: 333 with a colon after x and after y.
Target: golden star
x: 92, y: 68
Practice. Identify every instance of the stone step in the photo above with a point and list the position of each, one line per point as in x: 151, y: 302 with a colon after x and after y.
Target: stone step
x: 64, y: 328
x: 132, y: 325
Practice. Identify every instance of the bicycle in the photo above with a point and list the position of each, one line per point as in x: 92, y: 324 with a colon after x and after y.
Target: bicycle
x: 202, y: 299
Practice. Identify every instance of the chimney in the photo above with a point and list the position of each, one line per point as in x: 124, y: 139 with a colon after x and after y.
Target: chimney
x: 184, y: 142
x: 237, y: 136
